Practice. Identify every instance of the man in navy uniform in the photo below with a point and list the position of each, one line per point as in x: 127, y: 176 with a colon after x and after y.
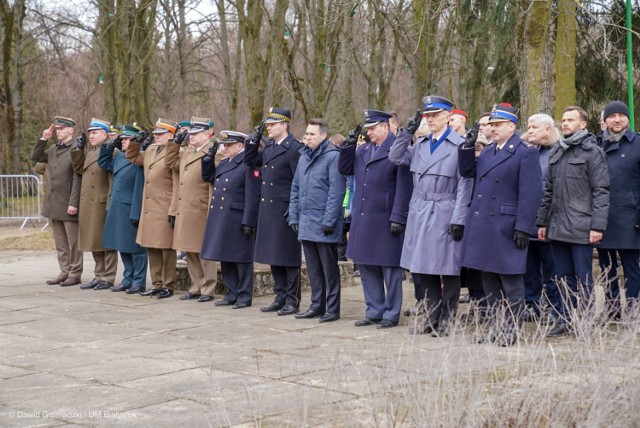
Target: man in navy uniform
x: 436, y: 213
x: 233, y: 214
x: 276, y: 244
x: 379, y: 215
x: 505, y: 198
x: 123, y: 215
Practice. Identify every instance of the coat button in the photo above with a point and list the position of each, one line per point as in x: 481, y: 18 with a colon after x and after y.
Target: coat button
x: 476, y: 213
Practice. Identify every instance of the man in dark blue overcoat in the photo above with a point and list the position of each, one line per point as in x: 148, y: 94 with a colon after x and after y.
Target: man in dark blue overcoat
x: 276, y: 244
x: 123, y: 215
x: 505, y: 198
x: 379, y: 215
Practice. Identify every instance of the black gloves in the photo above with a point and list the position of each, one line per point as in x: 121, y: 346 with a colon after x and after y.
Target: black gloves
x: 249, y: 231
x: 213, y: 149
x: 521, y: 239
x: 142, y: 135
x: 135, y: 223
x: 172, y: 221
x: 81, y: 141
x: 456, y: 231
x: 257, y: 135
x: 116, y: 143
x: 146, y: 143
x: 294, y: 227
x: 327, y: 230
x: 180, y: 137
x: 396, y: 228
x: 472, y: 136
x: 414, y: 123
x: 352, y: 137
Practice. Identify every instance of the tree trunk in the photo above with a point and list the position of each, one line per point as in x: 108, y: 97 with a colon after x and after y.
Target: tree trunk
x: 565, y: 56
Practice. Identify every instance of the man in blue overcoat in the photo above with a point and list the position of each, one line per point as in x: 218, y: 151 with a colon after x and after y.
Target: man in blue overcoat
x: 622, y: 235
x: 315, y: 215
x: 276, y: 244
x: 437, y: 213
x: 233, y: 214
x: 505, y: 198
x: 379, y: 216
x: 123, y: 215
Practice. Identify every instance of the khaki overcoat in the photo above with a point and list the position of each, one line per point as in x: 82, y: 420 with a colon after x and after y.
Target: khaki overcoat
x: 154, y: 231
x: 62, y: 189
x: 191, y: 200
x: 94, y: 194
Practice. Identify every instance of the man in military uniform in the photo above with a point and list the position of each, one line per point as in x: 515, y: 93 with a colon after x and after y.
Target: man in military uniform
x: 62, y: 198
x: 155, y: 231
x: 438, y: 204
x: 190, y: 204
x: 458, y: 121
x: 497, y: 228
x: 379, y: 216
x: 233, y: 216
x: 93, y: 205
x: 123, y: 216
x: 276, y: 244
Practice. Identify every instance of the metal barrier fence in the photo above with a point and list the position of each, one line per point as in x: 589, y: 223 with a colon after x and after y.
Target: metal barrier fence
x: 20, y: 198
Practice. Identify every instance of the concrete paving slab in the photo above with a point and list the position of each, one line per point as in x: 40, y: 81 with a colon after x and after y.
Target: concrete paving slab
x: 16, y: 344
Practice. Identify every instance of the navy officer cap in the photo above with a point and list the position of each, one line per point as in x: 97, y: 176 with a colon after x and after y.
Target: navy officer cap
x: 231, y: 137
x: 435, y: 104
x: 374, y: 117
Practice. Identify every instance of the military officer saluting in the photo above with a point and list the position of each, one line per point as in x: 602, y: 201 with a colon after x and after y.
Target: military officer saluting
x: 93, y: 205
x: 123, y: 216
x: 155, y: 231
x: 233, y: 216
x: 276, y: 244
x: 190, y: 204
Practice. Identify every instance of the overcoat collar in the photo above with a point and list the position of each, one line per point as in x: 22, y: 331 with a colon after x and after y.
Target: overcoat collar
x: 505, y: 153
x: 227, y: 164
x: 278, y: 149
x: 381, y: 153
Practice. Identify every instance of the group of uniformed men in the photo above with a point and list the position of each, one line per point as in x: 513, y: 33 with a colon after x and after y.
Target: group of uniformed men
x: 439, y: 203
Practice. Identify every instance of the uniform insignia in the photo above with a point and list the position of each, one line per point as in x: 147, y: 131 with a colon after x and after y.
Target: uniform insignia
x: 428, y: 100
x: 256, y: 173
x: 511, y: 146
x: 224, y: 135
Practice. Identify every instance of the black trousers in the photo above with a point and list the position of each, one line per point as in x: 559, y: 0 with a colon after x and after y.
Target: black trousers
x: 508, y: 288
x: 442, y: 294
x: 286, y: 285
x: 238, y: 277
x: 324, y: 276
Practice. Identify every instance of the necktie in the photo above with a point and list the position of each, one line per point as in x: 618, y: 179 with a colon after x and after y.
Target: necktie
x: 497, y: 149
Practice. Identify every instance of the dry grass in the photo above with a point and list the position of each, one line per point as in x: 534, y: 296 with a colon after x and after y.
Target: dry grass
x: 29, y: 239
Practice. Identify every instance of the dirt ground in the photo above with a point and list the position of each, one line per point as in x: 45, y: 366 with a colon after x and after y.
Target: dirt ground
x: 31, y: 237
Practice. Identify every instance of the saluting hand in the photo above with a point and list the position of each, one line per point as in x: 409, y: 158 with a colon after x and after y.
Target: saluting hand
x: 48, y: 133
x: 81, y: 141
x: 472, y: 136
x: 352, y: 137
x: 414, y: 123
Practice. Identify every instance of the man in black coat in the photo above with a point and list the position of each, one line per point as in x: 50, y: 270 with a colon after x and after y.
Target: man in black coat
x: 276, y: 244
x: 622, y: 236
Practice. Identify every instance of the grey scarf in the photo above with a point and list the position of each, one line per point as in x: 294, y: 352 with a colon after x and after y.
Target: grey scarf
x: 613, y: 138
x: 572, y: 140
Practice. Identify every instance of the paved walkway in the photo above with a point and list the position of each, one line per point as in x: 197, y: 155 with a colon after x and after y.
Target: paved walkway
x: 70, y: 356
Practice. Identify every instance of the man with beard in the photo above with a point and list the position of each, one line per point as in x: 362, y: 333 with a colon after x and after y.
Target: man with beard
x: 573, y: 212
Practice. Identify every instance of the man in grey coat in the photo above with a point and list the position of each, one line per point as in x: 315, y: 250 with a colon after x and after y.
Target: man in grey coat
x: 573, y: 213
x: 436, y: 212
x: 62, y: 198
x: 315, y: 214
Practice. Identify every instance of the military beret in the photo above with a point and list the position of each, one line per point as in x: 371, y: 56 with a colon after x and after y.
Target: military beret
x: 460, y: 112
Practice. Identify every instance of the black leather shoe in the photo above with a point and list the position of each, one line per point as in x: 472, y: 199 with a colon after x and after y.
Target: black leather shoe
x: 559, y: 330
x: 189, y: 296
x: 385, y: 323
x: 164, y: 293
x: 241, y: 305
x: 329, y: 317
x: 309, y: 313
x: 90, y: 285
x: 273, y: 307
x: 151, y: 292
x: 103, y: 285
x: 223, y: 302
x: 365, y: 322
x: 205, y: 298
x: 288, y: 310
x: 121, y: 287
x: 135, y: 290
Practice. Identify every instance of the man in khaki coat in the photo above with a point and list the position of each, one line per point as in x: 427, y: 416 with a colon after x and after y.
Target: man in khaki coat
x: 94, y: 194
x: 191, y: 205
x: 61, y: 198
x: 155, y: 231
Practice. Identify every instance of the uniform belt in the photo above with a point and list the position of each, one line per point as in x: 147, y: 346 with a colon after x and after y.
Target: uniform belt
x: 436, y: 196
